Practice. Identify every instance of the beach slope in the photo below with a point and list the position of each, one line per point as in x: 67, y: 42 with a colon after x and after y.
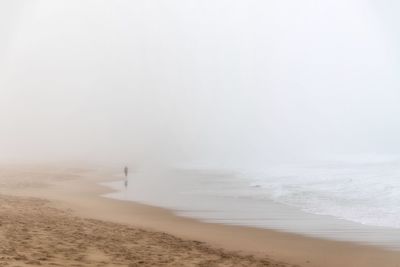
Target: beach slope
x: 55, y: 216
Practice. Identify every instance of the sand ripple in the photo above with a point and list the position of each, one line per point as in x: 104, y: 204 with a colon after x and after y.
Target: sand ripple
x: 34, y: 233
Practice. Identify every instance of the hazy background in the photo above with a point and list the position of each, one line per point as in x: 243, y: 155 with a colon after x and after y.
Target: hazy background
x: 224, y: 80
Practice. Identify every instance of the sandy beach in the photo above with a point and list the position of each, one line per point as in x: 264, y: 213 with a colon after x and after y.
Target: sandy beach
x: 55, y: 216
x: 199, y: 133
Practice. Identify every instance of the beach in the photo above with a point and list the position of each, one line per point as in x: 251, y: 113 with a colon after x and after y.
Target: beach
x: 55, y: 215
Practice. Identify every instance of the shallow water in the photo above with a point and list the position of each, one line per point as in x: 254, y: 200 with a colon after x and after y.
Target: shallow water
x: 213, y: 196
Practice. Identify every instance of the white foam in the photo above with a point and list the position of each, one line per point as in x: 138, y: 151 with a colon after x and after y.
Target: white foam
x: 363, y: 191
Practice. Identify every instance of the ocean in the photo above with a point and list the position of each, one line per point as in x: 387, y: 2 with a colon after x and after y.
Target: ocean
x: 349, y: 199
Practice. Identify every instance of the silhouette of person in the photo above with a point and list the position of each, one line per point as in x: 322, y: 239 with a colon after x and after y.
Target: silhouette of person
x: 126, y: 170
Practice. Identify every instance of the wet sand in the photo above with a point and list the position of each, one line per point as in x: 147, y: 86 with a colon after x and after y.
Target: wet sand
x: 217, y: 197
x: 54, y: 215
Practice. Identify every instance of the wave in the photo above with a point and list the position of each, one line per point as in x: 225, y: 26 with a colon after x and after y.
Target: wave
x: 362, y: 191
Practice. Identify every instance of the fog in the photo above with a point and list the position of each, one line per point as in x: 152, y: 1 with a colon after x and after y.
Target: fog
x: 184, y: 80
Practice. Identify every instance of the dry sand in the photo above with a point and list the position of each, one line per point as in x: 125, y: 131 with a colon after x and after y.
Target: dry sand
x: 33, y: 233
x: 54, y: 215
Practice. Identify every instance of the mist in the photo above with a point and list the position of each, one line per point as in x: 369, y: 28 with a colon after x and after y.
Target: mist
x: 219, y: 81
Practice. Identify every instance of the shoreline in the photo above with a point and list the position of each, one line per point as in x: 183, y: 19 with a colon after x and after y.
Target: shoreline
x: 248, y: 212
x: 78, y: 190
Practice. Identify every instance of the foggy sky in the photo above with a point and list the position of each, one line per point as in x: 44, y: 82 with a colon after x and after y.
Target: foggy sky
x: 197, y: 80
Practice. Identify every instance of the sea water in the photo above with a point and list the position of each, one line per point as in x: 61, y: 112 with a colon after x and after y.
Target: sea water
x: 366, y: 192
x: 352, y: 199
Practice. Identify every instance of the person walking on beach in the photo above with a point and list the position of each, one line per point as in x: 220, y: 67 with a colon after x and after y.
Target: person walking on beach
x: 126, y: 171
